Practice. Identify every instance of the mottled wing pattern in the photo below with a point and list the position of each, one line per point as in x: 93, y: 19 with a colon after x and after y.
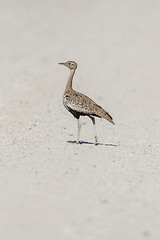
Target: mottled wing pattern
x: 80, y: 103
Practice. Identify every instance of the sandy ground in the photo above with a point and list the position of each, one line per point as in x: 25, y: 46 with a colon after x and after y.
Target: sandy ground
x: 55, y: 190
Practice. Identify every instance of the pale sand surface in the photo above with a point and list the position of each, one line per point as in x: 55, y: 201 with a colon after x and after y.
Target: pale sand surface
x: 55, y: 190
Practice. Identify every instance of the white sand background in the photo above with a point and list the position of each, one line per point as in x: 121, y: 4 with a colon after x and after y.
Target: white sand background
x: 55, y: 190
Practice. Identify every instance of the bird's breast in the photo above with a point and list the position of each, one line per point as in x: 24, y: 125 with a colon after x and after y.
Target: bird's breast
x: 65, y: 102
x: 70, y: 103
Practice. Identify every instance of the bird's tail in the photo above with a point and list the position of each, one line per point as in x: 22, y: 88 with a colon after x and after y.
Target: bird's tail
x: 106, y: 115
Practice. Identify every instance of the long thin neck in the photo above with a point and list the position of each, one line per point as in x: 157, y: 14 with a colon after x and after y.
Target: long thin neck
x: 69, y: 83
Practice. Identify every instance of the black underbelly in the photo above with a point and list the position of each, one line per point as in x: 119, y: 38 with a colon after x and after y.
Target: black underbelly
x: 78, y: 114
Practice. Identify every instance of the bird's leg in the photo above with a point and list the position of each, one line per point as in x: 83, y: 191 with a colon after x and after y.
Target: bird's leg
x: 79, y: 129
x: 94, y: 129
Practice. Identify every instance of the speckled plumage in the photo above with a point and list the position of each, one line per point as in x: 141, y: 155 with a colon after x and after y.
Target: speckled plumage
x: 79, y: 104
x: 83, y: 105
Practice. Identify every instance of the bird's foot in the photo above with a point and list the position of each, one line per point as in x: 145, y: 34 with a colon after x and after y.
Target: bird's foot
x: 96, y: 140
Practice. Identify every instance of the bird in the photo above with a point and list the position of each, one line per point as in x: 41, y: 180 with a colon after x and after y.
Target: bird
x: 79, y: 104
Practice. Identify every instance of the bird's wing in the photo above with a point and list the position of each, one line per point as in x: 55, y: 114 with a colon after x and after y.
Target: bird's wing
x: 83, y: 104
x: 80, y: 103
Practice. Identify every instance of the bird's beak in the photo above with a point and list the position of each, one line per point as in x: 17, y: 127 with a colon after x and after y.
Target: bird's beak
x: 61, y: 63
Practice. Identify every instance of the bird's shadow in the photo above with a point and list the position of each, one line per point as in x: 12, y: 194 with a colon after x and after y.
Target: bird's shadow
x: 97, y: 144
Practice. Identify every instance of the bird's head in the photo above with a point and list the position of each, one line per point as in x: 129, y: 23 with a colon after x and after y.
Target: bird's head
x: 70, y: 64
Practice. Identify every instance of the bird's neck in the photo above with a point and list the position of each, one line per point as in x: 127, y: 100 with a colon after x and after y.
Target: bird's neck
x: 70, y: 79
